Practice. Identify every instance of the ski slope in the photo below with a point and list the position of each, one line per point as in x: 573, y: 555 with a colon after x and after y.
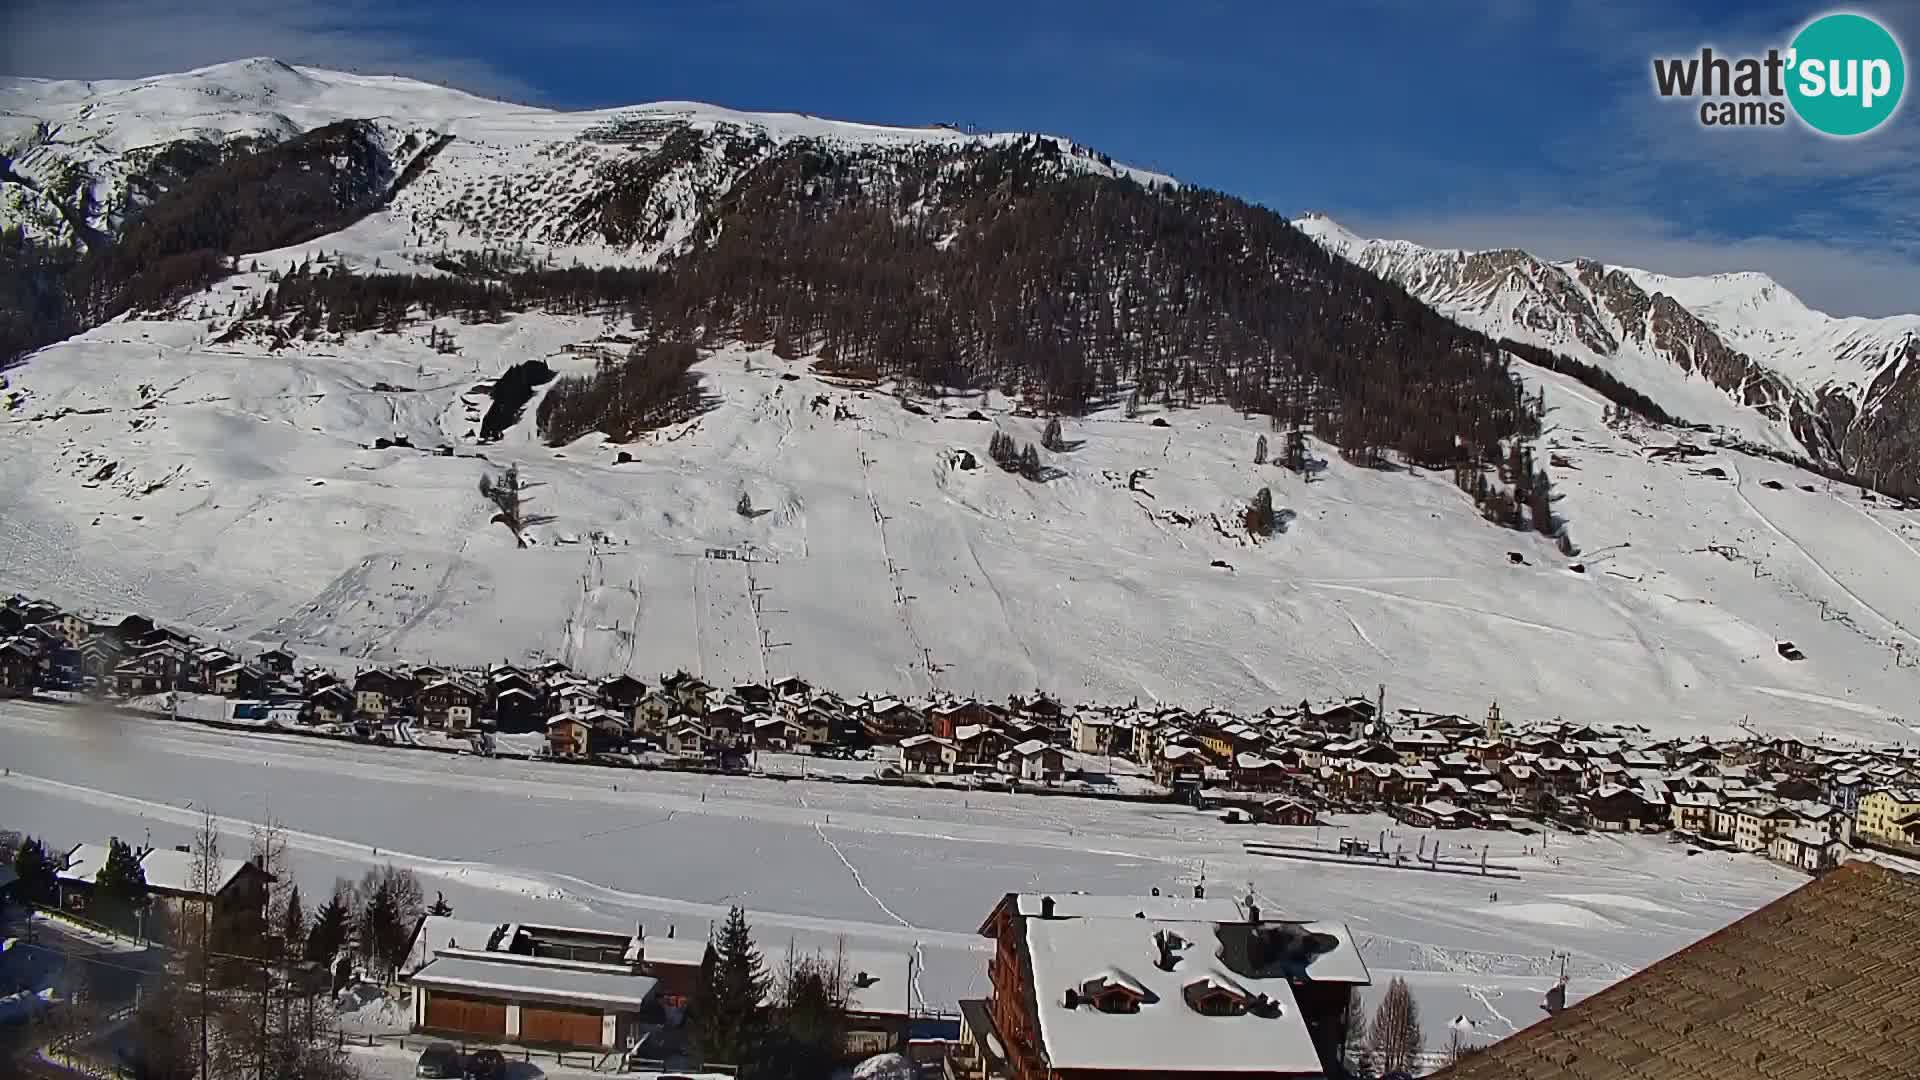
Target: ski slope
x: 884, y: 870
x: 232, y: 489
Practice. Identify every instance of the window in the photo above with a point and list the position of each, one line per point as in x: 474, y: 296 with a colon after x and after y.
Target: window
x: 1116, y: 1000
x: 1219, y: 1004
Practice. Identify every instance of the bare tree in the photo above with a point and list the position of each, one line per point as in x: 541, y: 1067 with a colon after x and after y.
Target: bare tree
x: 1396, y: 1040
x: 196, y: 928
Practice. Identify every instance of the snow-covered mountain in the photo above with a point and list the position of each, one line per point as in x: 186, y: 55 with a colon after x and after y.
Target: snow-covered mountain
x: 1734, y: 350
x: 509, y: 174
x: 320, y: 486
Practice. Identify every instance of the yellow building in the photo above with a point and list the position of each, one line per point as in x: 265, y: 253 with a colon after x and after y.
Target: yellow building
x: 1882, y: 811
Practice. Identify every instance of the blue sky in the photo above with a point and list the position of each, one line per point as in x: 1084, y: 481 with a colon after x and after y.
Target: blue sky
x: 1502, y: 123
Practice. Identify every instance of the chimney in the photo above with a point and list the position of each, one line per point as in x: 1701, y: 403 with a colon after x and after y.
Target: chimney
x: 183, y: 849
x: 1046, y: 907
x: 1200, y: 890
x: 1073, y: 998
x: 1253, y: 910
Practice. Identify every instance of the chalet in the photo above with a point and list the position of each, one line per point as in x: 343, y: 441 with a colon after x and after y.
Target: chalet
x: 652, y: 711
x: 379, y: 694
x: 99, y: 655
x: 947, y: 718
x: 791, y: 686
x: 329, y: 705
x: 1033, y: 760
x: 890, y: 720
x: 622, y: 693
x: 979, y: 744
x: 451, y: 703
x: 550, y: 671
x: 1095, y: 987
x: 1884, y: 812
x: 18, y: 667
x: 239, y: 680
x: 1342, y: 717
x: 726, y: 726
x: 1753, y: 826
x: 775, y: 732
x: 1842, y: 790
x: 1180, y: 767
x: 1091, y: 732
x: 572, y: 696
x: 237, y: 888
x: 1691, y: 811
x: 568, y: 736
x: 150, y: 672
x: 753, y: 695
x: 928, y: 754
x: 207, y: 663
x: 1285, y: 812
x: 688, y: 691
x: 126, y: 630
x: 278, y: 661
x: 1614, y: 808
x: 1416, y: 744
x: 687, y: 738
x: 1257, y: 772
x: 815, y: 726
x: 517, y: 709
x: 1807, y: 848
x: 1436, y: 814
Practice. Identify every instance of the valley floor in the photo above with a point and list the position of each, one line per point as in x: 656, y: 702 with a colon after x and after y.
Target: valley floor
x: 888, y: 870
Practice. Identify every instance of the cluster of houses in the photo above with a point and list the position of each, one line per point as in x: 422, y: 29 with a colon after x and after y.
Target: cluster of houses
x: 1796, y: 802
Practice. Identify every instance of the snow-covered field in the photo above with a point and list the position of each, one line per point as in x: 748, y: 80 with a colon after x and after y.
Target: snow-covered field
x: 881, y: 869
x: 231, y: 489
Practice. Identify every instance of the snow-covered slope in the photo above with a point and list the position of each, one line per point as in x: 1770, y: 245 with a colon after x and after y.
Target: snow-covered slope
x: 232, y: 488
x: 511, y: 174
x: 1735, y: 350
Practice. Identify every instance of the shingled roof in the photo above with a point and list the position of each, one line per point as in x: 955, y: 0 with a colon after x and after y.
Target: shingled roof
x: 1821, y: 984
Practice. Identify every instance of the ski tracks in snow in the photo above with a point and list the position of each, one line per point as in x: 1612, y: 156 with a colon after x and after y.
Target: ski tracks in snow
x: 860, y: 882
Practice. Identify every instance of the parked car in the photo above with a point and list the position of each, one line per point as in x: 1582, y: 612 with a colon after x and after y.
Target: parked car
x: 486, y: 1065
x: 439, y: 1061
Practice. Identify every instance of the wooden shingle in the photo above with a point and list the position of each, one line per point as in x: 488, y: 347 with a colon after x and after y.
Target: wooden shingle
x: 1821, y: 984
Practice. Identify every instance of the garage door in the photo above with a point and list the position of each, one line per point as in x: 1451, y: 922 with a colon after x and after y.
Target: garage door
x: 467, y: 1015
x: 555, y: 1025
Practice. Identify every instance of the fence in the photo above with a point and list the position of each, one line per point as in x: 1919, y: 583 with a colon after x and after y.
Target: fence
x: 612, y: 1061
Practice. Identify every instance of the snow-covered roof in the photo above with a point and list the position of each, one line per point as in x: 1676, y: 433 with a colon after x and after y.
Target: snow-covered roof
x: 172, y: 871
x: 1166, y: 1033
x: 446, y: 932
x: 84, y: 862
x: 1030, y: 748
x: 534, y: 982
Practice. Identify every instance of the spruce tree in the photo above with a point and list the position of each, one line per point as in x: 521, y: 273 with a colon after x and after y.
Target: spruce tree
x: 729, y: 1031
x: 331, y: 925
x: 120, y: 889
x: 1030, y: 463
x: 39, y: 881
x: 293, y: 924
x: 1260, y: 451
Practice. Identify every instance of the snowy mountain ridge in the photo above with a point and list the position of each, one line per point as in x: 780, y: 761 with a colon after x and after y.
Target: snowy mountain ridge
x: 1736, y: 350
x: 321, y: 488
x: 92, y: 143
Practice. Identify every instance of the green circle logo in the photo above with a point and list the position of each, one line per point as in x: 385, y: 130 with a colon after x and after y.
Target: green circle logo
x: 1847, y: 74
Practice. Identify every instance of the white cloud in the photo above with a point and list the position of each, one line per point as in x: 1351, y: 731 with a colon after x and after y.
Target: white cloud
x: 1834, y: 278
